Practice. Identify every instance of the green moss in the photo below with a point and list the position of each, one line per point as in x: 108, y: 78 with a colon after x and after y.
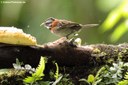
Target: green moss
x: 95, y: 51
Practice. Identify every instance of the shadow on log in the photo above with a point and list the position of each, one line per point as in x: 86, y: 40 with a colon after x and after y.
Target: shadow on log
x: 63, y: 53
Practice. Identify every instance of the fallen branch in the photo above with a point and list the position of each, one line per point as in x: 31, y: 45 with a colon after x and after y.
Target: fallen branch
x: 63, y: 53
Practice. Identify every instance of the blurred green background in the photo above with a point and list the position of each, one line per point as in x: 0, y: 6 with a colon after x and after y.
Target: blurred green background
x: 111, y: 15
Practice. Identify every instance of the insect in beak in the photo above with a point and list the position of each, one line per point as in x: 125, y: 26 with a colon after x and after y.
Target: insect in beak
x: 42, y: 24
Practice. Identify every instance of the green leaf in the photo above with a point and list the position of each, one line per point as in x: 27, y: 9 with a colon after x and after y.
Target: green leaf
x: 126, y: 76
x: 99, y: 72
x: 114, y: 16
x: 125, y: 9
x: 124, y: 82
x: 38, y: 74
x: 57, y: 80
x: 57, y: 71
x: 40, y: 68
x: 91, y: 78
x: 119, y: 31
x: 111, y: 20
x: 29, y: 79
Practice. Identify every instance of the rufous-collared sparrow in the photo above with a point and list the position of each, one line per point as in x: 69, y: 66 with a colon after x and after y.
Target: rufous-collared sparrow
x: 64, y: 28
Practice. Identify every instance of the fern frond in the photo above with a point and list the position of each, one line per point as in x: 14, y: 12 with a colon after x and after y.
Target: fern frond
x: 38, y: 74
x: 126, y: 76
x: 29, y: 79
x: 40, y: 68
x: 57, y: 71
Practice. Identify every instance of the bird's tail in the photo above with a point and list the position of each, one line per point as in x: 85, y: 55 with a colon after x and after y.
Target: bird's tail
x: 89, y: 25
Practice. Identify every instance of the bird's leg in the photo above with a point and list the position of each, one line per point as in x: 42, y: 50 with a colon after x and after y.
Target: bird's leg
x: 68, y: 36
x: 75, y: 42
x: 71, y: 41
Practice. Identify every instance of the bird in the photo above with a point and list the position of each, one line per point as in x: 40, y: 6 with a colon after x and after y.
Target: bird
x: 64, y: 28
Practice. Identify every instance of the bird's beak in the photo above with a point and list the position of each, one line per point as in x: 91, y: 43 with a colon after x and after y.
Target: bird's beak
x: 42, y: 24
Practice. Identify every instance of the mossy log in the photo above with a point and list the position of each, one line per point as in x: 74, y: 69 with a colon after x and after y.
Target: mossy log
x: 63, y: 53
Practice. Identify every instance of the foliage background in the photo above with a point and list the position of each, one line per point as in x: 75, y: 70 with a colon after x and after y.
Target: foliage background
x: 29, y: 14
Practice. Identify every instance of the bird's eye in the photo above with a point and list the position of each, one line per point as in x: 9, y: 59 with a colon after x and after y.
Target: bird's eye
x: 48, y: 22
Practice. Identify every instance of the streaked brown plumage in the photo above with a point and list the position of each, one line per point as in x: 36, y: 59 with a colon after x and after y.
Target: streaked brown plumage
x: 64, y: 28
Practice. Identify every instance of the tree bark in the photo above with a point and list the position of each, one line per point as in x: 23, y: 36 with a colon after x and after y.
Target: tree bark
x: 64, y: 53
